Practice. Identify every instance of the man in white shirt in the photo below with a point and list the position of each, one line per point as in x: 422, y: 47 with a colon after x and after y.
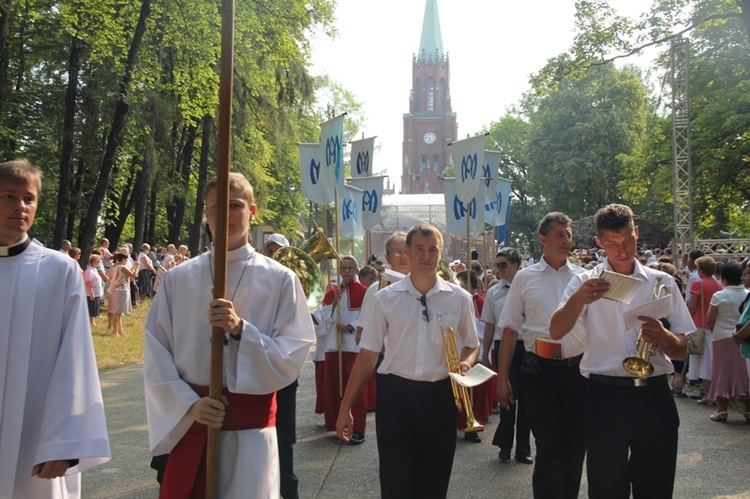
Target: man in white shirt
x: 416, y: 414
x: 268, y: 335
x: 553, y: 389
x: 52, y: 423
x: 398, y: 261
x: 507, y: 264
x: 631, y: 421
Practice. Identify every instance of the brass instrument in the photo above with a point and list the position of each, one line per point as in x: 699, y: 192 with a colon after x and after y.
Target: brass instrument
x: 444, y: 272
x: 319, y: 247
x: 640, y: 365
x: 460, y: 393
x: 304, y: 261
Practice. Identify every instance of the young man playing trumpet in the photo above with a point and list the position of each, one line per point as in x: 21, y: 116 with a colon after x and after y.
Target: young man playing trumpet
x: 631, y: 421
x: 416, y: 410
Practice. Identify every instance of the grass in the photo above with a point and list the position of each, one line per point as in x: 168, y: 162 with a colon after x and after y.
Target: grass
x: 113, y: 353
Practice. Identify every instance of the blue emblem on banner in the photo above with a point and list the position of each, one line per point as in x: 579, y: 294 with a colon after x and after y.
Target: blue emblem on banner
x: 363, y: 162
x: 370, y: 201
x: 496, y: 204
x: 469, y: 167
x: 349, y: 210
x: 487, y: 174
x: 459, y: 210
x: 314, y: 171
x: 333, y: 145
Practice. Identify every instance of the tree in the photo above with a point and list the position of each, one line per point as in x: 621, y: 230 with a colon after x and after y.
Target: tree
x: 580, y: 134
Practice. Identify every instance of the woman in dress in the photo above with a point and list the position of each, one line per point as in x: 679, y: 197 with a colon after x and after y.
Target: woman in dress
x: 119, y: 291
x: 729, y: 374
x: 700, y: 298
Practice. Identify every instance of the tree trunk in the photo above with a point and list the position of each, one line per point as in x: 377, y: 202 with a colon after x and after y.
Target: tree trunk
x: 114, y: 140
x: 76, y: 195
x: 68, y: 143
x: 194, y: 240
x: 151, y: 227
x: 140, y: 200
x: 178, y: 201
x: 5, y: 11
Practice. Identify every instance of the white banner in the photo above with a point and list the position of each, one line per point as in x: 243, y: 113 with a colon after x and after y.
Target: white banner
x: 332, y: 152
x: 361, y: 157
x: 468, y: 158
x: 489, y: 181
x: 350, y: 214
x: 371, y: 200
x: 312, y: 189
x: 503, y: 201
x: 456, y: 212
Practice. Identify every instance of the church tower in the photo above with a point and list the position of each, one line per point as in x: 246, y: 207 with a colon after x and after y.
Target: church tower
x: 430, y: 124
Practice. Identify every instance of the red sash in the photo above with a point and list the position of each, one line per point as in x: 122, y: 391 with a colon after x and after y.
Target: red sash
x: 185, y: 475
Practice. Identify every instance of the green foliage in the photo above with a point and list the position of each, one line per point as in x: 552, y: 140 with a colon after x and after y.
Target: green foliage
x: 175, y: 84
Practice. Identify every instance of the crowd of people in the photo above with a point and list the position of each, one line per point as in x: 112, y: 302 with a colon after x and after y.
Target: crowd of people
x: 549, y: 327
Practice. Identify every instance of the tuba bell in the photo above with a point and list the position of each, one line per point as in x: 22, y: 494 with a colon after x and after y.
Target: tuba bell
x: 445, y: 273
x: 304, y: 261
x: 460, y: 393
x: 640, y: 364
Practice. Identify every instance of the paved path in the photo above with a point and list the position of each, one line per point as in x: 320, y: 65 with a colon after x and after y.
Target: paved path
x: 714, y: 458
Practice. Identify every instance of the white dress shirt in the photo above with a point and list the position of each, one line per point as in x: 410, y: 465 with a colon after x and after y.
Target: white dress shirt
x: 413, y: 346
x: 602, y: 325
x: 533, y: 297
x: 494, y: 301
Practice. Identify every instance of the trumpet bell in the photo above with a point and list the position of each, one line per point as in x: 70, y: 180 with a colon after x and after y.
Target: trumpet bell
x: 638, y: 366
x: 307, y: 271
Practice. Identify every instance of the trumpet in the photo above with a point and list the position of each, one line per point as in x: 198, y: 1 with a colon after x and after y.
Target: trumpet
x: 639, y: 365
x: 460, y: 393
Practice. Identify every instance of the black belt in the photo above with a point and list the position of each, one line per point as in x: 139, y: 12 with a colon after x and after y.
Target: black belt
x: 627, y: 380
x: 569, y: 362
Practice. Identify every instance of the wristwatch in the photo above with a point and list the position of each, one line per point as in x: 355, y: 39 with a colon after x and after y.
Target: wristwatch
x: 350, y: 328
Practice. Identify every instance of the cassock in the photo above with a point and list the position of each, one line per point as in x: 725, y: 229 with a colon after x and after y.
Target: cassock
x: 276, y: 337
x: 50, y: 400
x: 351, y: 300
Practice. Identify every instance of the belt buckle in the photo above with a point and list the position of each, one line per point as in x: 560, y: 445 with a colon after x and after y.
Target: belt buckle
x: 640, y: 382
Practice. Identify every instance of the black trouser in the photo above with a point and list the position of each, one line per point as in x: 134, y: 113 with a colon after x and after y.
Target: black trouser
x: 416, y: 431
x: 286, y: 434
x: 631, y: 439
x: 508, y: 419
x: 555, y: 392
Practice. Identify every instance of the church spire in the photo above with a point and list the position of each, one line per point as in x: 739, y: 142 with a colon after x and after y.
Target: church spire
x: 431, y: 45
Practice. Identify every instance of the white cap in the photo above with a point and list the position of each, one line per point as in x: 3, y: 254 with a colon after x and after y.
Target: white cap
x: 276, y: 238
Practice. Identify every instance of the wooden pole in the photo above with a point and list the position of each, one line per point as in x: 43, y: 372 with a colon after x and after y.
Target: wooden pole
x: 223, y: 152
x: 340, y: 285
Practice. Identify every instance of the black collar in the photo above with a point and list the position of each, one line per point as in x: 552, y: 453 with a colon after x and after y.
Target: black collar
x: 15, y: 249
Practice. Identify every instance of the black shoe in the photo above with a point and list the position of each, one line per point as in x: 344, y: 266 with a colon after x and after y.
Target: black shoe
x: 679, y: 394
x: 524, y: 459
x: 472, y: 437
x: 504, y: 456
x: 357, y: 438
x: 697, y: 396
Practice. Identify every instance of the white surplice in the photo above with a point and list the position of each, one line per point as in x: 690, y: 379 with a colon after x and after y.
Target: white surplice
x: 50, y: 400
x: 277, y: 336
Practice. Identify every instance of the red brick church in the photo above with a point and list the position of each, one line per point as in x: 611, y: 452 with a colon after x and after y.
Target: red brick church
x: 430, y: 125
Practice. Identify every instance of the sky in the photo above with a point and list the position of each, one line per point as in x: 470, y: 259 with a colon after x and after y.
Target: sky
x: 493, y: 46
